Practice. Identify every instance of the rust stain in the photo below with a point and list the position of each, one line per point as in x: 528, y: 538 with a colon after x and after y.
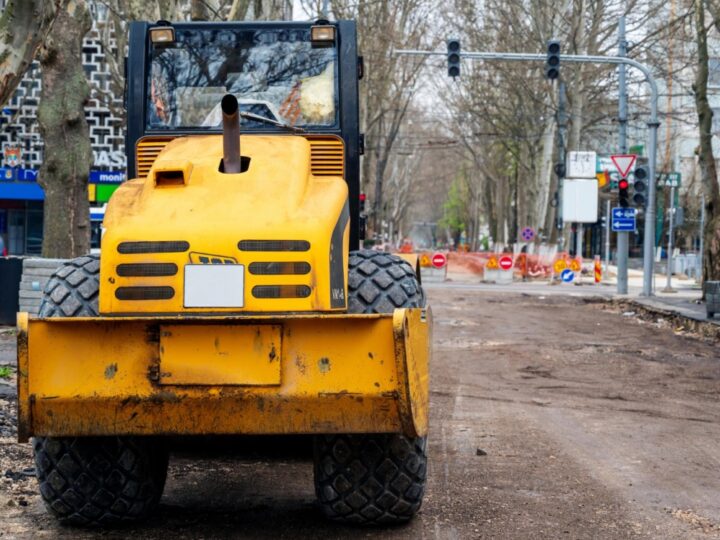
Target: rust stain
x: 164, y: 397
x: 110, y: 371
x: 273, y: 352
x: 370, y: 355
x: 324, y: 365
x: 341, y: 394
x: 300, y: 363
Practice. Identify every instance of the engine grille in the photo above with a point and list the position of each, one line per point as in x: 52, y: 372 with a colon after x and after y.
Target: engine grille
x: 147, y: 269
x: 144, y: 293
x: 279, y: 268
x: 159, y: 246
x: 281, y: 291
x: 327, y: 155
x: 148, y: 149
x: 274, y: 245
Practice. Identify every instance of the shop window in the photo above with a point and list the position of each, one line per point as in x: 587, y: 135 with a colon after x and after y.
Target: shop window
x: 33, y: 243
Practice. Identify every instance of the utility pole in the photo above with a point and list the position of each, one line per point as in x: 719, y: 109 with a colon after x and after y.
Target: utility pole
x: 622, y: 237
x: 608, y: 228
x: 671, y: 219
x: 560, y: 166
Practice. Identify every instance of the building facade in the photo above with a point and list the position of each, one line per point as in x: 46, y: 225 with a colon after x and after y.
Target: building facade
x: 21, y: 197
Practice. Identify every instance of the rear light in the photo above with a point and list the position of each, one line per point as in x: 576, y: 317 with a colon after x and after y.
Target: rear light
x: 279, y: 268
x: 274, y: 245
x: 281, y: 291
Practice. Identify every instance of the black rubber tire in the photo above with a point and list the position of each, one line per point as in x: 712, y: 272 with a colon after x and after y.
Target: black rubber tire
x: 94, y: 481
x: 380, y: 282
x: 370, y: 479
x: 100, y: 481
x: 72, y: 290
x: 373, y: 479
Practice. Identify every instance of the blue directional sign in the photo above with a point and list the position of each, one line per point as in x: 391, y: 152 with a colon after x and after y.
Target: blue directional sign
x: 567, y: 275
x: 624, y: 220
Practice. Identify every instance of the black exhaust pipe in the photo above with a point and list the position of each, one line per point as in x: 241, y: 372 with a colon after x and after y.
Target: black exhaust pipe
x: 231, y: 135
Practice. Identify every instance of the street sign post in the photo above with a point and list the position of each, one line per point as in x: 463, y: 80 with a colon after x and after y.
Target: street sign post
x: 624, y: 220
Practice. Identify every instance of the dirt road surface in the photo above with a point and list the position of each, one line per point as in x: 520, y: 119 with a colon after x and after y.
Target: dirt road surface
x: 551, y: 417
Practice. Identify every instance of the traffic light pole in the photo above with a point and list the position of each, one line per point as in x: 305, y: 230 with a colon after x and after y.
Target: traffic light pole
x: 623, y: 239
x: 653, y: 124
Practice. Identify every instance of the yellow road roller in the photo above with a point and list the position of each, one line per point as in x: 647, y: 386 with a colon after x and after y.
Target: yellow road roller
x: 231, y: 296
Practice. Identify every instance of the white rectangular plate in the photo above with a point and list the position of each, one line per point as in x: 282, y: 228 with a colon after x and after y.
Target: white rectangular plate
x: 215, y: 285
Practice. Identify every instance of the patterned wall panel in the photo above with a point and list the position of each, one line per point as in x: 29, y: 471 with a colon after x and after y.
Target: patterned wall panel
x: 18, y: 122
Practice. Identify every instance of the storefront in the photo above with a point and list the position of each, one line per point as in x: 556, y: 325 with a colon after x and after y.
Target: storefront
x: 21, y: 207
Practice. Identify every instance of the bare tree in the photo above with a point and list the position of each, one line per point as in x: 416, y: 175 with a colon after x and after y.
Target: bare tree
x: 390, y: 81
x: 24, y: 26
x: 708, y: 167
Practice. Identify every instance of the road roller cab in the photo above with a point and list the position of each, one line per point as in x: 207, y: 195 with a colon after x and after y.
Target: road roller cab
x: 230, y: 296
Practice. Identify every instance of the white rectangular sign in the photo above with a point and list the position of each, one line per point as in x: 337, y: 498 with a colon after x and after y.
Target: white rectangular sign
x: 581, y: 165
x: 214, y: 285
x: 580, y: 200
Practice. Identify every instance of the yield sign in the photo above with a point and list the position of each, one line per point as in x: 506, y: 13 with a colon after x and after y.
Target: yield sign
x: 623, y: 163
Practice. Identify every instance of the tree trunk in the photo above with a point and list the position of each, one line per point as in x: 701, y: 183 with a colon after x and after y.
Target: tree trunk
x: 67, y: 155
x: 708, y: 170
x: 23, y: 27
x: 198, y: 10
x: 545, y: 175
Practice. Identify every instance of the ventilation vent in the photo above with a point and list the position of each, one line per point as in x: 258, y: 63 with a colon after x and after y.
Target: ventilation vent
x: 144, y: 293
x: 327, y: 156
x: 274, y: 245
x: 279, y: 268
x: 281, y: 291
x: 148, y: 150
x: 172, y: 246
x: 147, y: 270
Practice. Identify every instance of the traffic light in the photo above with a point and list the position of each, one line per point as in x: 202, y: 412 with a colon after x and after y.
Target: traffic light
x: 362, y: 202
x: 552, y: 63
x: 453, y: 57
x: 640, y: 185
x: 623, y: 195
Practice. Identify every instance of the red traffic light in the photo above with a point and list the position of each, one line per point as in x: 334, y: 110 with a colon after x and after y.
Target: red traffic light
x: 623, y: 184
x: 362, y: 197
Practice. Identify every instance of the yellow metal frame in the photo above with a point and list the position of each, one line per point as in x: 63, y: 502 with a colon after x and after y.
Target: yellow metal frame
x: 114, y: 375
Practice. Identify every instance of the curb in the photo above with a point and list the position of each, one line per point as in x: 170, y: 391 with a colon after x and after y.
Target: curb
x: 688, y: 321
